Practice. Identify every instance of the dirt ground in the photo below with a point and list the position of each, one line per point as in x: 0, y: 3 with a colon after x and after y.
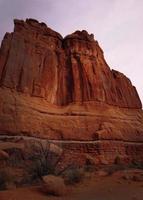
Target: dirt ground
x: 98, y: 187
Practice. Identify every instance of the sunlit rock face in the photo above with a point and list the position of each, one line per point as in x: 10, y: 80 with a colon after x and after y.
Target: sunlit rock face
x: 63, y: 89
x: 36, y: 60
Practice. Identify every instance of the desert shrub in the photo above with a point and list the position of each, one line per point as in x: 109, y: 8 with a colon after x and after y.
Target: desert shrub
x: 114, y: 168
x: 117, y: 160
x: 89, y: 165
x: 6, y: 179
x: 16, y: 157
x: 136, y: 164
x: 42, y: 161
x: 2, y: 180
x: 73, y: 175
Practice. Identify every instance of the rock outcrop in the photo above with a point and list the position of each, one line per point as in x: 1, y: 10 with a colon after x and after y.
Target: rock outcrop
x: 63, y: 89
x: 36, y: 60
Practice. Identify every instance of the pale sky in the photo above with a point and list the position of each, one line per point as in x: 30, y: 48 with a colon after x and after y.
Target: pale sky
x: 116, y: 24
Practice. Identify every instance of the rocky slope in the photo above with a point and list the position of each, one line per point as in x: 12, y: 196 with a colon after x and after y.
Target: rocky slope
x: 62, y: 89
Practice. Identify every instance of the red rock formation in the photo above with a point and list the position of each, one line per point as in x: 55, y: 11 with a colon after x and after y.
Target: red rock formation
x: 62, y: 88
x: 36, y: 60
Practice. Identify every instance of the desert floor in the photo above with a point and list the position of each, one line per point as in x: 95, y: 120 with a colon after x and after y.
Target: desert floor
x: 117, y: 186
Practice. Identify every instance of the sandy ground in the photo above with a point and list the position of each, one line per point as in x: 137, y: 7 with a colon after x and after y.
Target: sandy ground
x: 112, y: 187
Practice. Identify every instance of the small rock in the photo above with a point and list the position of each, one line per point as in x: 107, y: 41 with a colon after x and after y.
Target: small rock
x: 102, y: 173
x: 119, y: 182
x: 54, y: 185
x: 137, y: 178
x: 134, y: 198
x: 109, y: 190
x: 3, y: 155
x: 10, y: 186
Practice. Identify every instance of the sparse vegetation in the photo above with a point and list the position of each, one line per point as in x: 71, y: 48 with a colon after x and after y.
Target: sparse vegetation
x: 74, y: 175
x: 89, y: 165
x: 136, y: 164
x: 110, y: 169
x: 42, y: 161
x: 2, y: 180
x: 16, y: 157
x: 117, y: 160
x: 6, y: 179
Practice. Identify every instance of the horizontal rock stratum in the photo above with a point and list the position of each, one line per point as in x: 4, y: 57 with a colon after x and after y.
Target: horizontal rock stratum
x: 62, y: 89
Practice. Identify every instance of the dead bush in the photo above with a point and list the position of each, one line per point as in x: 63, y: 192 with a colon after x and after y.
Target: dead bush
x: 42, y: 161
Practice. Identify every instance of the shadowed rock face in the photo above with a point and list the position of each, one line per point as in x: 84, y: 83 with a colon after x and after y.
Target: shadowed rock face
x: 62, y: 89
x: 37, y: 61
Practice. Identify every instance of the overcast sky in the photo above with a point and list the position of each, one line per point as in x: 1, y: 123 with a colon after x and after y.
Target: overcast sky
x: 116, y: 24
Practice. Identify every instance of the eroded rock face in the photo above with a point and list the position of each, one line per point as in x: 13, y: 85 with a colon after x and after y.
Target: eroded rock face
x: 62, y: 89
x: 37, y: 61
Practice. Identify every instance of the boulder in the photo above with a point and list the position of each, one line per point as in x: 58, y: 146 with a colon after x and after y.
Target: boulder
x: 53, y: 185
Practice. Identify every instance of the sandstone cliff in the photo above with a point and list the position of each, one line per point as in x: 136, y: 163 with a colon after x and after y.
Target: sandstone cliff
x: 62, y: 89
x: 37, y: 61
